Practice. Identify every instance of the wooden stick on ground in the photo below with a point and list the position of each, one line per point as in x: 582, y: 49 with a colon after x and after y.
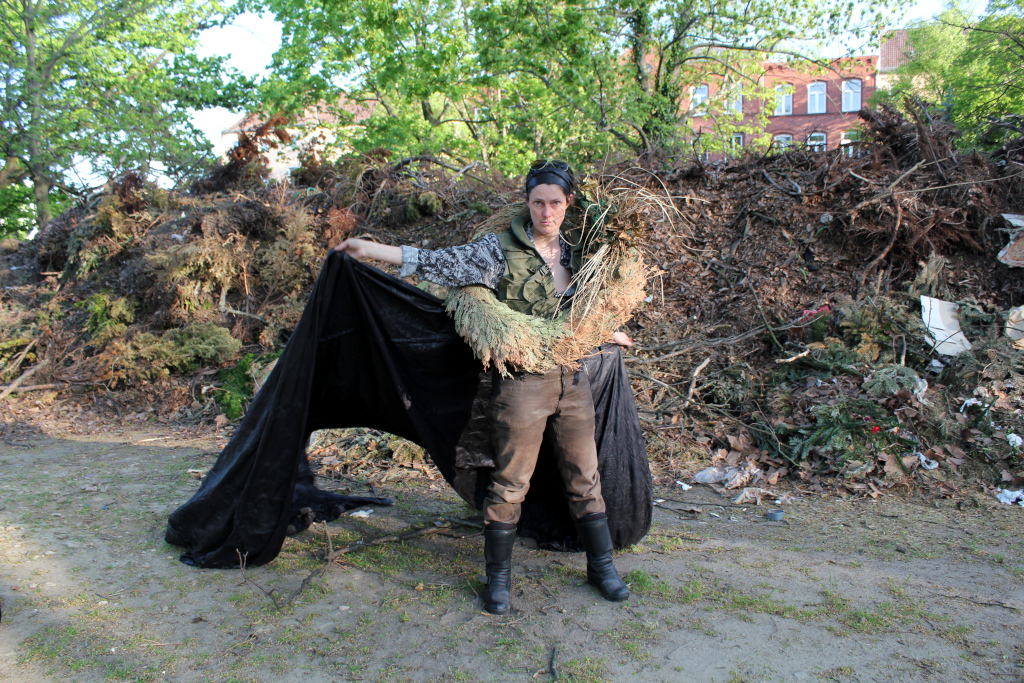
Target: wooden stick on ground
x: 16, y: 383
x: 17, y: 359
x: 693, y: 382
x: 332, y: 555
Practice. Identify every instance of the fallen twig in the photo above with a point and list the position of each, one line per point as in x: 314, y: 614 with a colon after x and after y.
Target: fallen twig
x: 764, y: 318
x: 887, y: 191
x: 248, y: 640
x: 793, y: 358
x: 16, y: 383
x: 331, y: 556
x: 693, y: 382
x: 16, y: 361
x: 40, y: 387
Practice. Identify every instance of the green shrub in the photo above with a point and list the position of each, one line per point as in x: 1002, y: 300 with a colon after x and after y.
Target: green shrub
x: 108, y: 319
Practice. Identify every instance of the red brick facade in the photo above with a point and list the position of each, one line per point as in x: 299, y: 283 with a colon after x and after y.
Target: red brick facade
x: 817, y: 111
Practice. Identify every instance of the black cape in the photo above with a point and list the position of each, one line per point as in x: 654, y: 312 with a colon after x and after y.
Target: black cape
x: 373, y: 351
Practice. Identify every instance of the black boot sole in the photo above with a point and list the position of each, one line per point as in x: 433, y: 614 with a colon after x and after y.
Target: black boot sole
x: 604, y: 595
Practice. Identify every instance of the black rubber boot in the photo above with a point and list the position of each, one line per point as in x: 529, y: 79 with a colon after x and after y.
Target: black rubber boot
x: 597, y: 541
x: 498, y: 545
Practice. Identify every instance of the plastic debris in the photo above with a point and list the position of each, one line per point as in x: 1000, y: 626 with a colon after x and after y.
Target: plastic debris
x: 752, y: 494
x: 361, y: 513
x: 1008, y: 497
x: 926, y: 462
x: 1015, y: 323
x: 711, y: 475
x: 1013, y: 253
x: 920, y: 389
x: 684, y: 486
x: 732, y: 478
x: 943, y: 326
x: 1014, y: 440
x: 968, y: 403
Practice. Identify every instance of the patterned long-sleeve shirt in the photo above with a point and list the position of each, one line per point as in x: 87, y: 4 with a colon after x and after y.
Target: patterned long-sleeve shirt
x: 478, y: 263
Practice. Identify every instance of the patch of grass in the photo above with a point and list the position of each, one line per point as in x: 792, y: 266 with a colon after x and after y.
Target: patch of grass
x: 584, y: 670
x: 887, y: 616
x: 516, y: 652
x: 839, y: 673
x: 764, y: 604
x: 78, y: 649
x: 634, y: 637
x: 646, y: 585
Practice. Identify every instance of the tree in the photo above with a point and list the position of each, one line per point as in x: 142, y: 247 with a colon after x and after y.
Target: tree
x: 509, y: 79
x: 971, y: 69
x: 103, y: 83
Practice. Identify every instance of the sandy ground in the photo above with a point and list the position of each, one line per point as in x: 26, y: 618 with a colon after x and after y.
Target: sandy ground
x: 895, y: 590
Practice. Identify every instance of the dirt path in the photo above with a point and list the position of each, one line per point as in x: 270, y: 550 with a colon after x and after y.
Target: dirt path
x: 844, y: 591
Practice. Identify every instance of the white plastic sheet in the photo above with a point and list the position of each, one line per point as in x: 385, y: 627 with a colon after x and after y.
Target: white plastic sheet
x: 943, y: 326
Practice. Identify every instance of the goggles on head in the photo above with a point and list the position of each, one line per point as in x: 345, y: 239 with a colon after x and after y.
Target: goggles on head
x: 551, y: 171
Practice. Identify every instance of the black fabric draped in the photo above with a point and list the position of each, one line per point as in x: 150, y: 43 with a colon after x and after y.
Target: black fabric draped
x: 373, y: 351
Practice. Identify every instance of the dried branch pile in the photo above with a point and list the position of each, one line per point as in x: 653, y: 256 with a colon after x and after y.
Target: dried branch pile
x: 782, y: 309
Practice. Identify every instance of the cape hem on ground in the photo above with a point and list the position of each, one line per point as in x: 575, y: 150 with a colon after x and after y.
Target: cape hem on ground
x: 373, y: 351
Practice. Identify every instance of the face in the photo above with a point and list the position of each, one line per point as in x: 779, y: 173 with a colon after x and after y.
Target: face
x: 547, y: 208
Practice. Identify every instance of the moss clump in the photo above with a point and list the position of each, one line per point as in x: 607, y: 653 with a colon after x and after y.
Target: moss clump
x: 108, y: 318
x: 423, y: 204
x: 204, y: 343
x: 147, y: 357
x: 236, y: 387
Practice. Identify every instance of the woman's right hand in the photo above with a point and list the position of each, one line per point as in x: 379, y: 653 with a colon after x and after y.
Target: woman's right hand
x: 354, y: 247
x: 365, y: 249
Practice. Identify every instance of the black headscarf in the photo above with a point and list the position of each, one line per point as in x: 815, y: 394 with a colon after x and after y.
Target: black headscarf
x: 551, y: 173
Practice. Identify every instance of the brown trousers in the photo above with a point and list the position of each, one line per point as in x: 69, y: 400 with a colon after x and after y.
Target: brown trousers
x: 522, y: 407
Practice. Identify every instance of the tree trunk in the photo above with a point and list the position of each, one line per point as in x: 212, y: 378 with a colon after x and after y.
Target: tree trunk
x: 42, y: 191
x: 12, y: 172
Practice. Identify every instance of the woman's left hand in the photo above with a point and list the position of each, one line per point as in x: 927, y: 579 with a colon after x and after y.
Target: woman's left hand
x: 621, y: 339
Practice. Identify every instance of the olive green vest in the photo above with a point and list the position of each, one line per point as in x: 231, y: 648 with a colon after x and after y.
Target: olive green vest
x: 528, y: 285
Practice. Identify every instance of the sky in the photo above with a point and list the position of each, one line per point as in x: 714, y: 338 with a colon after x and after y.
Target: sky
x: 250, y: 42
x: 252, y: 39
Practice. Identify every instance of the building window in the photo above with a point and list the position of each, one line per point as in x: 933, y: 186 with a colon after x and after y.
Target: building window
x: 698, y: 98
x: 783, y: 99
x: 816, y: 142
x: 851, y: 95
x: 734, y: 102
x: 783, y: 141
x: 851, y: 143
x: 816, y: 97
x: 736, y: 143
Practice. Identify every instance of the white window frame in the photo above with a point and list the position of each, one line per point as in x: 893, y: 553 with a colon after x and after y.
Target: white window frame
x: 817, y: 141
x: 736, y: 140
x: 851, y: 144
x: 698, y: 99
x: 734, y: 102
x: 852, y: 89
x: 817, y: 97
x: 782, y: 141
x: 783, y: 99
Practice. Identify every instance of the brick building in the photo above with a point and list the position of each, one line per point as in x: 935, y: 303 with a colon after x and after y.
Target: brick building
x: 816, y: 109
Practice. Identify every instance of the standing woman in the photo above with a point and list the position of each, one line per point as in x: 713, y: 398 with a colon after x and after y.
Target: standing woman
x: 530, y: 267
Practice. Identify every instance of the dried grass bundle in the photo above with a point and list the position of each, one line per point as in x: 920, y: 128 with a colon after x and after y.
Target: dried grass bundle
x: 608, y: 287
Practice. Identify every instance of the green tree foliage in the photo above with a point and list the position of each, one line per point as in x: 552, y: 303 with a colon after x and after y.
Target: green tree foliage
x: 104, y: 83
x: 502, y: 81
x: 974, y: 70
